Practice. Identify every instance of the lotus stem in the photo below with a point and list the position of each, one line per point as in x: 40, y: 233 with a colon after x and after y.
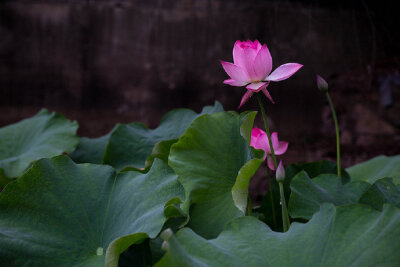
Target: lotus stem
x: 285, y: 216
x: 271, y: 197
x: 267, y: 129
x: 339, y: 170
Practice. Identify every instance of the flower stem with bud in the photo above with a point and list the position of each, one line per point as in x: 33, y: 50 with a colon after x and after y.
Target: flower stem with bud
x: 339, y: 173
x: 280, y: 177
x: 285, y: 215
x: 323, y: 86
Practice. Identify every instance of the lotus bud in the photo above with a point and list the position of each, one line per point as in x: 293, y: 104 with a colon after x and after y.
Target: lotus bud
x: 280, y: 173
x: 322, y: 84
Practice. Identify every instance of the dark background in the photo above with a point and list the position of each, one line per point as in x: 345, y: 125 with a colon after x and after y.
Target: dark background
x: 103, y: 62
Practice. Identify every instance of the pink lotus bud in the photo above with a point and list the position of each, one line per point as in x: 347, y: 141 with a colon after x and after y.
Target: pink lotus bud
x: 280, y: 173
x: 251, y: 67
x: 322, y: 84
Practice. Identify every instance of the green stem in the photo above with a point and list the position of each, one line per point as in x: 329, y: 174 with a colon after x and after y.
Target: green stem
x: 271, y: 197
x: 337, y: 134
x: 267, y: 129
x: 285, y: 214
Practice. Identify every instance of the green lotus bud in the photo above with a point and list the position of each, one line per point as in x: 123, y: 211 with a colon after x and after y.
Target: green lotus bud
x: 322, y: 84
x: 280, y: 173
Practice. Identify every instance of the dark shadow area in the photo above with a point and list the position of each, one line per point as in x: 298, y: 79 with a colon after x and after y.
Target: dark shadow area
x: 103, y: 62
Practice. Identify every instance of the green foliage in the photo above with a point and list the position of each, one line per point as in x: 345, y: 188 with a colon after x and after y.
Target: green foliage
x: 63, y: 214
x: 44, y: 135
x: 381, y: 192
x: 376, y: 168
x: 308, y: 194
x: 91, y: 150
x: 192, y: 171
x: 351, y: 235
x: 312, y: 169
x: 214, y: 164
x: 130, y: 145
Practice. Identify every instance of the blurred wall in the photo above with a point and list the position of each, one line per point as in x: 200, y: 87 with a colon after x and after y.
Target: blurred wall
x: 146, y: 56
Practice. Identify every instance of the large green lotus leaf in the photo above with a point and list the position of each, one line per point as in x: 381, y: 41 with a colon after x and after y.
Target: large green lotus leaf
x: 131, y: 144
x: 381, y: 192
x: 64, y: 214
x: 308, y: 194
x: 215, y: 164
x: 4, y: 180
x: 376, y: 168
x: 268, y: 208
x: 161, y: 151
x: 351, y: 235
x: 42, y: 136
x: 316, y: 168
x: 247, y: 121
x: 91, y: 150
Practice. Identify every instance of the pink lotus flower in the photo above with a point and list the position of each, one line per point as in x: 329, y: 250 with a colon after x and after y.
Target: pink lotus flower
x: 259, y: 140
x: 252, y: 65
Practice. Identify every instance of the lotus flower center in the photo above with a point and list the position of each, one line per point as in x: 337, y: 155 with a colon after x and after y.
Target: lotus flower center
x: 248, y: 44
